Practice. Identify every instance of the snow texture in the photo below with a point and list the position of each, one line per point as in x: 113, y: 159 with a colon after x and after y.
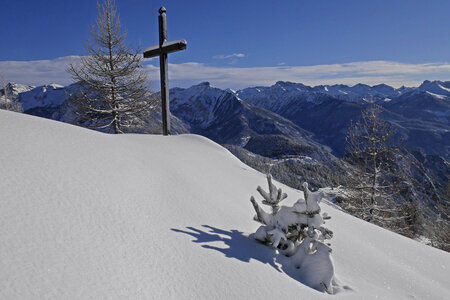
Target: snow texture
x: 85, y: 215
x: 315, y: 264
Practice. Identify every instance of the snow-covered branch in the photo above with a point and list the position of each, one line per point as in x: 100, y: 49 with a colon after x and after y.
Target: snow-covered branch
x: 297, y: 231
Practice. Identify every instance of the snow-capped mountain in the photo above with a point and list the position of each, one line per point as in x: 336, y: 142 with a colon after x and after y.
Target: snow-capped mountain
x: 327, y: 110
x: 222, y: 116
x: 423, y: 105
x: 85, y: 215
x: 51, y: 95
x: 17, y: 88
x: 270, y: 97
x: 267, y: 96
x: 440, y: 89
x: 282, y: 94
x: 200, y: 105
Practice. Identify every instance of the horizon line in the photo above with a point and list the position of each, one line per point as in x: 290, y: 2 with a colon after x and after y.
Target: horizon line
x: 371, y: 73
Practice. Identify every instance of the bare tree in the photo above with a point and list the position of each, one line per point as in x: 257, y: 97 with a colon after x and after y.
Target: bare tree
x: 372, y: 151
x: 113, y: 93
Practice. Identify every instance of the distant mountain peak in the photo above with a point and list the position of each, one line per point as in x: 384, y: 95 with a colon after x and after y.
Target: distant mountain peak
x: 440, y: 89
x: 280, y: 82
x: 381, y: 85
x: 17, y: 88
x: 290, y: 84
x: 362, y: 85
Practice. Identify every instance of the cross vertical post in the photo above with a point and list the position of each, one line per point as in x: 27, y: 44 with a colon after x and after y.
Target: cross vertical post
x: 164, y: 73
x: 162, y: 49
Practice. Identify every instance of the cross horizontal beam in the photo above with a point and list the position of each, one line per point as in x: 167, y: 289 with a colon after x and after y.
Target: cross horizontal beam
x: 166, y: 47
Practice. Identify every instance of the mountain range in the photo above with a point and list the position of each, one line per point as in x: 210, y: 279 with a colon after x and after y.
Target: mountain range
x: 308, y: 115
x: 294, y: 131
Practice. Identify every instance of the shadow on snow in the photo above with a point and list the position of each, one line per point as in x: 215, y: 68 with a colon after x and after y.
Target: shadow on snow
x: 245, y: 248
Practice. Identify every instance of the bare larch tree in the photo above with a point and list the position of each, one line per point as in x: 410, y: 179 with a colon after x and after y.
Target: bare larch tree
x: 372, y: 151
x: 113, y: 93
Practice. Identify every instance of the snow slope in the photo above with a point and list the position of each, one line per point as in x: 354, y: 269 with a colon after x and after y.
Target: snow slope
x: 85, y: 215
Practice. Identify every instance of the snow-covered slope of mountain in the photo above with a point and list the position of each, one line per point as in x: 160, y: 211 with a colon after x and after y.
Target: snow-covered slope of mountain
x: 51, y: 95
x: 223, y: 117
x: 201, y: 104
x: 85, y: 215
x: 422, y: 105
x: 440, y: 89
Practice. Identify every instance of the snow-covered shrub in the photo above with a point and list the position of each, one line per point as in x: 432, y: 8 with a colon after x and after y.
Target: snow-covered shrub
x: 298, y: 232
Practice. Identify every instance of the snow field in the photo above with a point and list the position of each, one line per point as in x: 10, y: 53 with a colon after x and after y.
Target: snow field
x: 85, y: 215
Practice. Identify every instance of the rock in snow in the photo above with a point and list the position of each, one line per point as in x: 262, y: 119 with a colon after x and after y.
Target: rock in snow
x: 85, y: 215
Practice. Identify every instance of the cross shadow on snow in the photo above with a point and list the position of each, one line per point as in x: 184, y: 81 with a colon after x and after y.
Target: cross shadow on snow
x: 245, y: 248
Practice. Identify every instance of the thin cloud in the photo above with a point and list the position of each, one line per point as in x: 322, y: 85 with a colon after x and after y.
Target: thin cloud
x: 234, y: 55
x: 372, y: 72
x: 39, y: 72
x: 396, y: 74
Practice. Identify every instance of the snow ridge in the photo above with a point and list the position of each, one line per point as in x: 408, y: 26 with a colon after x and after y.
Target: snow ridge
x: 90, y: 215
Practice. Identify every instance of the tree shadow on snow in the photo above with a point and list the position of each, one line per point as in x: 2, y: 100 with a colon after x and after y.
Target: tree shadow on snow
x: 240, y: 246
x: 245, y: 248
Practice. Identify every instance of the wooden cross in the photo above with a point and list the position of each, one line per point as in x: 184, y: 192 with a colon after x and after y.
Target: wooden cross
x: 162, y: 50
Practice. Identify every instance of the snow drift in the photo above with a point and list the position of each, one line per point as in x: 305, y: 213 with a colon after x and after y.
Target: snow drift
x: 89, y: 215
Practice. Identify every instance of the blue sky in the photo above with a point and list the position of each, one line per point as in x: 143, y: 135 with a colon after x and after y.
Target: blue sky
x: 240, y: 43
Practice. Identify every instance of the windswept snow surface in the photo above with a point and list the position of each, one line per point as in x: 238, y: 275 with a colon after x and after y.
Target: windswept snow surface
x: 85, y: 215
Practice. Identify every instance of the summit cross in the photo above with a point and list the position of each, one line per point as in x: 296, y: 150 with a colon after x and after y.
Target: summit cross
x: 162, y: 50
